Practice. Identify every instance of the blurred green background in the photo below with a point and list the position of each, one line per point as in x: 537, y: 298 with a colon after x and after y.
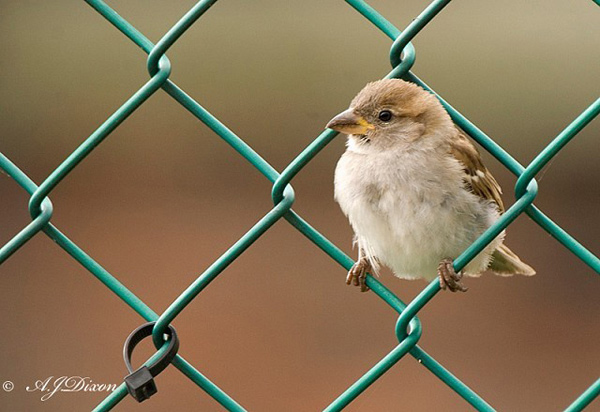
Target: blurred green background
x: 163, y: 197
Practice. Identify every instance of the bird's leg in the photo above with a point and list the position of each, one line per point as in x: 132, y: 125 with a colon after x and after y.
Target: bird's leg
x: 358, y: 272
x: 449, y: 278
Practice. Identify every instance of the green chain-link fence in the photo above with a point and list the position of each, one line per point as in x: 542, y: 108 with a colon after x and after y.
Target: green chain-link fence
x: 408, y: 327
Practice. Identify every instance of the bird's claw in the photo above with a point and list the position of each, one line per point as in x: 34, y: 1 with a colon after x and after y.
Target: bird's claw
x: 357, y: 275
x: 449, y: 278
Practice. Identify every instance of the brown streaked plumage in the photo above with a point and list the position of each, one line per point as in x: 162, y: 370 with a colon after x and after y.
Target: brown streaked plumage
x: 478, y: 178
x: 415, y: 189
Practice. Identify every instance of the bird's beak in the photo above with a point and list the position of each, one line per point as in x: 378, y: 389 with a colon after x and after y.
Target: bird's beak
x: 350, y: 122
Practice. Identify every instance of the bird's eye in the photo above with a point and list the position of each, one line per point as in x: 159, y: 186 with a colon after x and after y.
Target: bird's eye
x: 385, y: 115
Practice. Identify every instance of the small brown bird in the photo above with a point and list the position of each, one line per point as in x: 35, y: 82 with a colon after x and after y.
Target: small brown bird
x: 415, y: 190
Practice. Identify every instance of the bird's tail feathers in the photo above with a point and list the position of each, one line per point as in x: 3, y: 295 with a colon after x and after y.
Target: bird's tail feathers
x: 506, y: 263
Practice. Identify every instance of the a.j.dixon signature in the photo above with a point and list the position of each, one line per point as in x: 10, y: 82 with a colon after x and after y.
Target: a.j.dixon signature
x: 51, y: 385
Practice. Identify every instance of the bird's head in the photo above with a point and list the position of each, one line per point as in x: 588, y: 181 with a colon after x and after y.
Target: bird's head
x: 389, y: 112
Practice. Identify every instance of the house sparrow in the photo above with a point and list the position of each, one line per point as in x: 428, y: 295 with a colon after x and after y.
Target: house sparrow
x: 415, y: 190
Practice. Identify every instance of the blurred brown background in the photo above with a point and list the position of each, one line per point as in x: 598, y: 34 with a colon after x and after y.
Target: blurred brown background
x: 163, y: 197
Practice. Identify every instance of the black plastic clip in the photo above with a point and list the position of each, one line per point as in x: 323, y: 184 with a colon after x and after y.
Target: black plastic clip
x: 140, y: 383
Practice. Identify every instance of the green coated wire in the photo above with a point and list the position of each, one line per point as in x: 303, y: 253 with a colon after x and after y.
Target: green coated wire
x: 408, y: 326
x: 118, y: 289
x: 585, y: 398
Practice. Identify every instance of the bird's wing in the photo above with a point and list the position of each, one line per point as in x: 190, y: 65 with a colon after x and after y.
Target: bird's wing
x: 478, y: 179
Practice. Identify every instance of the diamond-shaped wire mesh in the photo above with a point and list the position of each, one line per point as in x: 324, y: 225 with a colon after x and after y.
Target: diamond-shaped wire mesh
x: 408, y: 327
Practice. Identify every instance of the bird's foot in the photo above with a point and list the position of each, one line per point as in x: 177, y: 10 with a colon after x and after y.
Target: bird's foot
x: 358, y: 274
x: 449, y: 278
